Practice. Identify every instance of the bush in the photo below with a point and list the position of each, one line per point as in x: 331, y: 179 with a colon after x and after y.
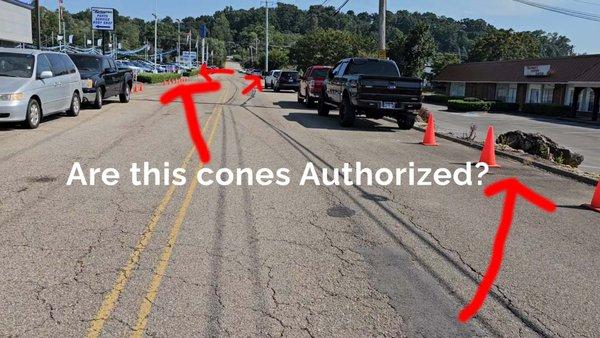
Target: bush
x: 191, y: 73
x: 435, y: 99
x: 545, y: 109
x: 462, y: 105
x: 472, y: 99
x: 504, y: 107
x: 157, y: 78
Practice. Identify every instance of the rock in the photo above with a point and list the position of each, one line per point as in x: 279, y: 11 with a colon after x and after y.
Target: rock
x: 540, y: 145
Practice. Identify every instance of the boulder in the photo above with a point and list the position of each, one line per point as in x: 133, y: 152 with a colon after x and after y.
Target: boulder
x: 540, y: 145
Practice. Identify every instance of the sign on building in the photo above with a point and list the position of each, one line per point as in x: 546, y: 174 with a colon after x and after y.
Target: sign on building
x: 188, y: 57
x: 543, y: 70
x: 103, y: 19
x: 15, y: 22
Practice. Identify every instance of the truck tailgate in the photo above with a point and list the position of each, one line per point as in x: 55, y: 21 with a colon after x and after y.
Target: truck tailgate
x: 388, y: 85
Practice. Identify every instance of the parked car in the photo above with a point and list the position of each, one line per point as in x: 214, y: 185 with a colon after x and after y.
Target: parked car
x: 143, y: 66
x: 311, y: 83
x: 101, y: 79
x: 257, y: 72
x: 36, y: 83
x: 270, y: 78
x: 287, y: 79
x: 125, y: 64
x: 370, y: 87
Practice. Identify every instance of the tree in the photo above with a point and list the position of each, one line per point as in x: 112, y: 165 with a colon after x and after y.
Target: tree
x: 498, y: 45
x: 442, y: 60
x: 417, y: 51
x: 328, y: 46
x: 278, y: 59
x: 221, y: 29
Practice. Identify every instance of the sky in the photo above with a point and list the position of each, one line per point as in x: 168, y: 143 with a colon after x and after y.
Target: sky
x: 500, y: 13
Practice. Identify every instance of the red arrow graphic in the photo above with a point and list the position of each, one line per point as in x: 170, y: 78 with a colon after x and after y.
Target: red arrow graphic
x: 206, y: 73
x: 512, y: 188
x: 186, y: 93
x: 256, y: 83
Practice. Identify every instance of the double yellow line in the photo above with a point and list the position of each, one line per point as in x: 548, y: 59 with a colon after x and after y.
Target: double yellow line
x: 111, y: 299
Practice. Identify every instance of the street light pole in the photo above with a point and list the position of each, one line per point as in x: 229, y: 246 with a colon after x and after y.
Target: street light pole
x: 267, y: 36
x: 382, y: 24
x: 178, y: 40
x: 156, y: 35
x: 39, y: 24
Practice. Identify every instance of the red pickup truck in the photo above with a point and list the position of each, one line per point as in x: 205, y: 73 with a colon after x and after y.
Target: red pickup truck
x: 311, y: 83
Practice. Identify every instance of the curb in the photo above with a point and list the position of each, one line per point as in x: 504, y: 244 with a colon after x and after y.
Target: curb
x: 525, y: 159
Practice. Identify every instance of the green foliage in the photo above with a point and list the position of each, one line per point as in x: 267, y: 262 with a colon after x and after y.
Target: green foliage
x: 327, y: 47
x: 545, y: 109
x: 157, y: 78
x: 415, y: 52
x: 505, y: 107
x: 442, y: 60
x: 462, y: 105
x: 191, y: 73
x: 435, y: 99
x: 506, y: 45
x: 278, y: 59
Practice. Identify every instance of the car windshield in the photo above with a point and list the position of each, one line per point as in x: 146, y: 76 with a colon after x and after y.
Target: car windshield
x: 84, y: 62
x: 16, y: 65
x: 321, y: 72
x: 373, y: 67
x: 288, y: 75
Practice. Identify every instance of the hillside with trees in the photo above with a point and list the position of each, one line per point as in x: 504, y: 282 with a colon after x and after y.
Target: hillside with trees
x: 321, y: 35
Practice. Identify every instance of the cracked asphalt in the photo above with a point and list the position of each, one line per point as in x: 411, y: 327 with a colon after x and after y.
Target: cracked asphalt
x: 294, y: 261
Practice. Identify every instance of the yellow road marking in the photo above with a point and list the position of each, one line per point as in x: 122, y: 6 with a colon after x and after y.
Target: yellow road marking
x: 163, y: 263
x: 111, y: 299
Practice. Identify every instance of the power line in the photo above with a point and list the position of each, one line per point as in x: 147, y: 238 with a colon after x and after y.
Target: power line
x: 588, y: 2
x: 340, y: 8
x: 570, y: 12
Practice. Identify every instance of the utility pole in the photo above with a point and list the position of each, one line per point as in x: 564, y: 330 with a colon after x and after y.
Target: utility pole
x: 178, y: 40
x: 39, y: 23
x: 156, y: 35
x: 382, y: 24
x: 266, y: 35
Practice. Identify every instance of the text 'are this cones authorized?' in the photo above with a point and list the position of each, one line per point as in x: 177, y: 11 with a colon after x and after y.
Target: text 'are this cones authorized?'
x: 429, y: 137
x: 595, y: 205
x: 488, y: 154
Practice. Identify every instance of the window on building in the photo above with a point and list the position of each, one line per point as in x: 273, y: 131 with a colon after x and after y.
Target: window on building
x: 512, y: 93
x: 502, y: 92
x: 547, y: 94
x: 534, y: 95
x: 569, y: 96
x: 457, y: 89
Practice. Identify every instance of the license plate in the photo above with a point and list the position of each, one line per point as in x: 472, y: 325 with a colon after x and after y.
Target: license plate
x: 389, y: 105
x: 290, y: 80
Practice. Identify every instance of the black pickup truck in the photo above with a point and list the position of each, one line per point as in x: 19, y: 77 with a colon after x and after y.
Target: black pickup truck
x: 101, y: 78
x: 373, y: 88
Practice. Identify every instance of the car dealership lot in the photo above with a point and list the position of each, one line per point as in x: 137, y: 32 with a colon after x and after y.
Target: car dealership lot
x: 270, y: 260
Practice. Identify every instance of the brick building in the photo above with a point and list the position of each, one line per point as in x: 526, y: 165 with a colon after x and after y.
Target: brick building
x: 569, y: 81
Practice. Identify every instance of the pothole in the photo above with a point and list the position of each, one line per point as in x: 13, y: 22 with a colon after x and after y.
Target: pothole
x: 340, y: 211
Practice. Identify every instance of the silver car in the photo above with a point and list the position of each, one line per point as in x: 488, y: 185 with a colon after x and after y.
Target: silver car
x: 36, y: 83
x: 271, y: 77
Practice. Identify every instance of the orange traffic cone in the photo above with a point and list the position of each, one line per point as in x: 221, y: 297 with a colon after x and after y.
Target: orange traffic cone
x: 595, y: 205
x: 488, y: 155
x: 429, y: 138
x: 141, y: 87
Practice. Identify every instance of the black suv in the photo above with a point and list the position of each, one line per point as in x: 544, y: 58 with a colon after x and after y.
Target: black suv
x: 287, y: 79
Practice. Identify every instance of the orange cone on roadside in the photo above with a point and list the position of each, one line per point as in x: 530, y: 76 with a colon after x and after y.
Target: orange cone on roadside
x: 595, y: 205
x: 429, y: 138
x: 488, y: 154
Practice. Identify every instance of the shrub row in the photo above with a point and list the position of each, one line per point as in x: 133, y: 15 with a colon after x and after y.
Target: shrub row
x: 462, y: 105
x: 191, y: 73
x: 157, y: 78
x: 545, y: 109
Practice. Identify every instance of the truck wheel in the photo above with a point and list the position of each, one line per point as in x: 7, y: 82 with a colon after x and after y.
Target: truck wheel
x: 276, y: 88
x: 323, y: 109
x: 310, y: 102
x: 75, y: 105
x: 34, y: 114
x: 406, y: 122
x: 124, y: 98
x: 347, y: 113
x: 300, y: 98
x: 98, y: 102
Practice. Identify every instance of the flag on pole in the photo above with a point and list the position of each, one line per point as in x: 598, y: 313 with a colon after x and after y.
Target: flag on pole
x: 188, y: 38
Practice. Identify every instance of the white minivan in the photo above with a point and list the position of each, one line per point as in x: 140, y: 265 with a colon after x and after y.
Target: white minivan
x: 35, y: 83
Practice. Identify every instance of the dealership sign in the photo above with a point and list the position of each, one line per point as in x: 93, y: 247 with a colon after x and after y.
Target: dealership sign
x: 103, y: 19
x: 543, y: 70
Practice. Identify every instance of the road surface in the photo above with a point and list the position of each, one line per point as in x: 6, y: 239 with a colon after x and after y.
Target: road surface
x: 252, y: 260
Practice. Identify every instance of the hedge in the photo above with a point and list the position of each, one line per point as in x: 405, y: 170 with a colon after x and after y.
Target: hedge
x: 545, y: 109
x: 462, y: 105
x: 157, y: 78
x: 435, y: 99
x: 505, y: 107
x: 191, y: 73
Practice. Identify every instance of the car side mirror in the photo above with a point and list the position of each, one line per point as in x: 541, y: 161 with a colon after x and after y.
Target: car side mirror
x: 330, y: 75
x: 46, y: 75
